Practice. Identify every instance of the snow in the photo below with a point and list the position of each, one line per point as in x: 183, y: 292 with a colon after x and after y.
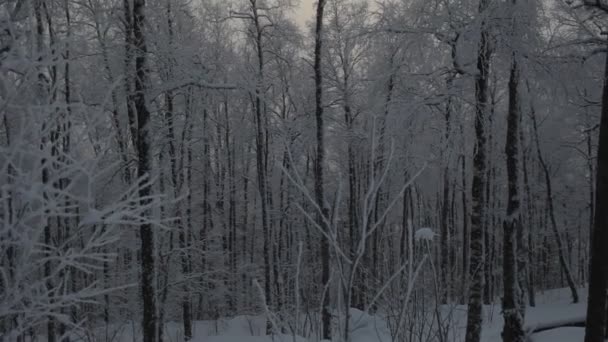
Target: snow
x: 552, y: 307
x: 426, y: 234
x: 365, y: 327
x: 567, y: 334
x: 228, y: 338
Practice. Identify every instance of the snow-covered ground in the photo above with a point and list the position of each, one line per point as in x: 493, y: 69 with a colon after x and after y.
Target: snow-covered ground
x: 566, y: 334
x: 552, y: 306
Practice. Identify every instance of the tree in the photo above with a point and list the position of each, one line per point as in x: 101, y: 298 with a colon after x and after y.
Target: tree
x: 551, y: 211
x: 146, y: 232
x: 319, y: 164
x: 347, y: 48
x: 596, y: 326
x: 513, y: 307
x: 174, y: 119
x: 476, y: 266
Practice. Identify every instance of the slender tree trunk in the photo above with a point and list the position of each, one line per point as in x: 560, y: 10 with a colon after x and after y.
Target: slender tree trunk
x: 120, y: 140
x: 232, y: 263
x: 129, y: 49
x: 445, y: 247
x: 325, y: 311
x: 488, y: 218
x: 245, y: 219
x: 465, y: 232
x: 513, y: 330
x: 177, y: 183
x: 353, y: 221
x: 164, y: 256
x: 261, y: 157
x: 148, y: 270
x: 44, y: 92
x: 558, y: 241
x: 66, y: 123
x: 591, y: 182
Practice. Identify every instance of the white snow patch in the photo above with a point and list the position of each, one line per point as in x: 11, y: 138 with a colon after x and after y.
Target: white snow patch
x: 424, y: 234
x: 566, y: 334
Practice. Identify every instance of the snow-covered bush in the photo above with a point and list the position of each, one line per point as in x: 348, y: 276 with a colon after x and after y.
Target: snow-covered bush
x: 60, y: 212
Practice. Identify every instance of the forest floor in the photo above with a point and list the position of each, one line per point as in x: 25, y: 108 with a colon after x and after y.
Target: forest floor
x: 553, y: 307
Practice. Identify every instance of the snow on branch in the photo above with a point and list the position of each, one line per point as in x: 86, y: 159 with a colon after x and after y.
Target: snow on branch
x: 424, y: 234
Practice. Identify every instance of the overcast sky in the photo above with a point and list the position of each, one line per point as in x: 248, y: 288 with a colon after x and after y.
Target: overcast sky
x: 305, y: 11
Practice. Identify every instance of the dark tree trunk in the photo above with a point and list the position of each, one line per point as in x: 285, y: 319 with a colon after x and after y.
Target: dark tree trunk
x: 511, y: 306
x: 143, y: 172
x: 177, y: 183
x: 529, y: 281
x: 187, y: 268
x: 353, y: 221
x: 261, y: 157
x: 325, y: 312
x: 445, y: 285
x: 465, y: 232
x: 489, y: 214
x: 129, y: 47
x: 44, y: 92
x: 474, y: 318
x: 595, y: 327
x: 232, y: 262
x: 592, y: 184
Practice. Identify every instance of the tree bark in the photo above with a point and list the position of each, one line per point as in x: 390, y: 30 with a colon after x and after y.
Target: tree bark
x: 325, y: 312
x: 148, y: 270
x: 511, y: 306
x: 261, y: 153
x: 530, y: 279
x: 474, y: 318
x: 445, y: 247
x: 595, y: 327
x: 465, y: 231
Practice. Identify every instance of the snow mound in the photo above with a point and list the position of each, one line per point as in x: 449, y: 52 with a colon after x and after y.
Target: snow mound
x: 566, y: 334
x: 426, y: 234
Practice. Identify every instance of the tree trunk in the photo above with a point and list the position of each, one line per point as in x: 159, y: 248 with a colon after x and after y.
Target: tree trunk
x: 592, y: 184
x: 595, y: 327
x: 465, y: 231
x: 529, y: 281
x: 261, y: 153
x: 512, y: 305
x: 148, y: 271
x: 445, y: 285
x: 177, y: 183
x: 547, y: 177
x: 44, y: 91
x: 325, y: 312
x: 474, y: 318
